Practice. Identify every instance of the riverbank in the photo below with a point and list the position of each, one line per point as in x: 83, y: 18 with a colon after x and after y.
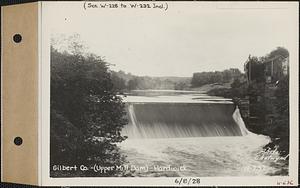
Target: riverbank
x: 267, y: 110
x: 207, y: 88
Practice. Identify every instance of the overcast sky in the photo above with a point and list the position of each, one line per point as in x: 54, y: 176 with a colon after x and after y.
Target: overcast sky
x: 189, y: 37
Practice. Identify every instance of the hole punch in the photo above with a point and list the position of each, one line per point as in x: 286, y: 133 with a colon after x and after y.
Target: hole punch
x: 18, y: 141
x: 17, y: 38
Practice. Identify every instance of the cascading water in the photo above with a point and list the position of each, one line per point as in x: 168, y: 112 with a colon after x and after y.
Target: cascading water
x: 239, y: 121
x: 173, y: 120
x: 204, y: 135
x: 133, y: 120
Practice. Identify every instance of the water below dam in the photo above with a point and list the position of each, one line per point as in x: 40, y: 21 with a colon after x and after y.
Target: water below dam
x: 185, y: 133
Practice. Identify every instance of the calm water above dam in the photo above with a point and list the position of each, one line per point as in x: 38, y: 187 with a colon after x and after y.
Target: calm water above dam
x: 187, y: 133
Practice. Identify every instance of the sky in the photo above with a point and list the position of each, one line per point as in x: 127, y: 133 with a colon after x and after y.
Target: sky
x: 188, y: 37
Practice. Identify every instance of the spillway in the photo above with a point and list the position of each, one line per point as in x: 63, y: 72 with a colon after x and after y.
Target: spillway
x: 173, y: 120
x: 204, y: 134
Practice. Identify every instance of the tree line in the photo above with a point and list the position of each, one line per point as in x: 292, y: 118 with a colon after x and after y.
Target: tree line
x: 202, y: 78
x: 126, y: 82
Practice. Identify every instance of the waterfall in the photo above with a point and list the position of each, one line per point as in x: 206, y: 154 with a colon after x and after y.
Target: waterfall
x: 239, y: 121
x: 134, y: 129
x: 172, y: 120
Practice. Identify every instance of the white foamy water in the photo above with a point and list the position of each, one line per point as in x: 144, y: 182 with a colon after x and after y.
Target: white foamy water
x: 239, y: 121
x: 182, y: 98
x: 201, y: 156
x: 211, y: 141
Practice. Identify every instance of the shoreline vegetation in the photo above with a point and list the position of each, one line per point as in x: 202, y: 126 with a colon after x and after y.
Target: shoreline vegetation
x: 86, y: 116
x: 89, y: 134
x: 277, y: 128
x: 268, y: 102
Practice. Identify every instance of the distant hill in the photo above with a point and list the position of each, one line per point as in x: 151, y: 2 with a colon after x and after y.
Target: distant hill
x: 129, y: 81
x: 201, y: 81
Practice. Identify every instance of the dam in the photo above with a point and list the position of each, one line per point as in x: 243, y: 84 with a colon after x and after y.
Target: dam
x: 198, y: 134
x: 173, y: 120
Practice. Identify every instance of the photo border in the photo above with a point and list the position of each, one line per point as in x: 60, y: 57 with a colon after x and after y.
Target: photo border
x: 45, y: 18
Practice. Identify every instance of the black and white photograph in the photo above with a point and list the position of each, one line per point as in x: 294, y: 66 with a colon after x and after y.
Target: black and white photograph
x: 170, y: 89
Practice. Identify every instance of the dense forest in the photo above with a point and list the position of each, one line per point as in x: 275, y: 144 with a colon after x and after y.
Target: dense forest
x: 87, y: 116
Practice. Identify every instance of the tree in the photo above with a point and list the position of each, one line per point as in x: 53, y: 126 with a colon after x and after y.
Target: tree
x: 279, y: 127
x: 279, y: 51
x: 118, y: 83
x: 181, y: 86
x: 132, y: 84
x: 86, y: 114
x: 255, y: 69
x: 226, y: 76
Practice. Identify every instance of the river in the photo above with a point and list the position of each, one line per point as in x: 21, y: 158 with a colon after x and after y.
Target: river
x: 187, y: 133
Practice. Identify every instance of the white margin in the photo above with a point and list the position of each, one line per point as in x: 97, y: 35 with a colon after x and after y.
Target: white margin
x: 40, y: 81
x: 127, y: 181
